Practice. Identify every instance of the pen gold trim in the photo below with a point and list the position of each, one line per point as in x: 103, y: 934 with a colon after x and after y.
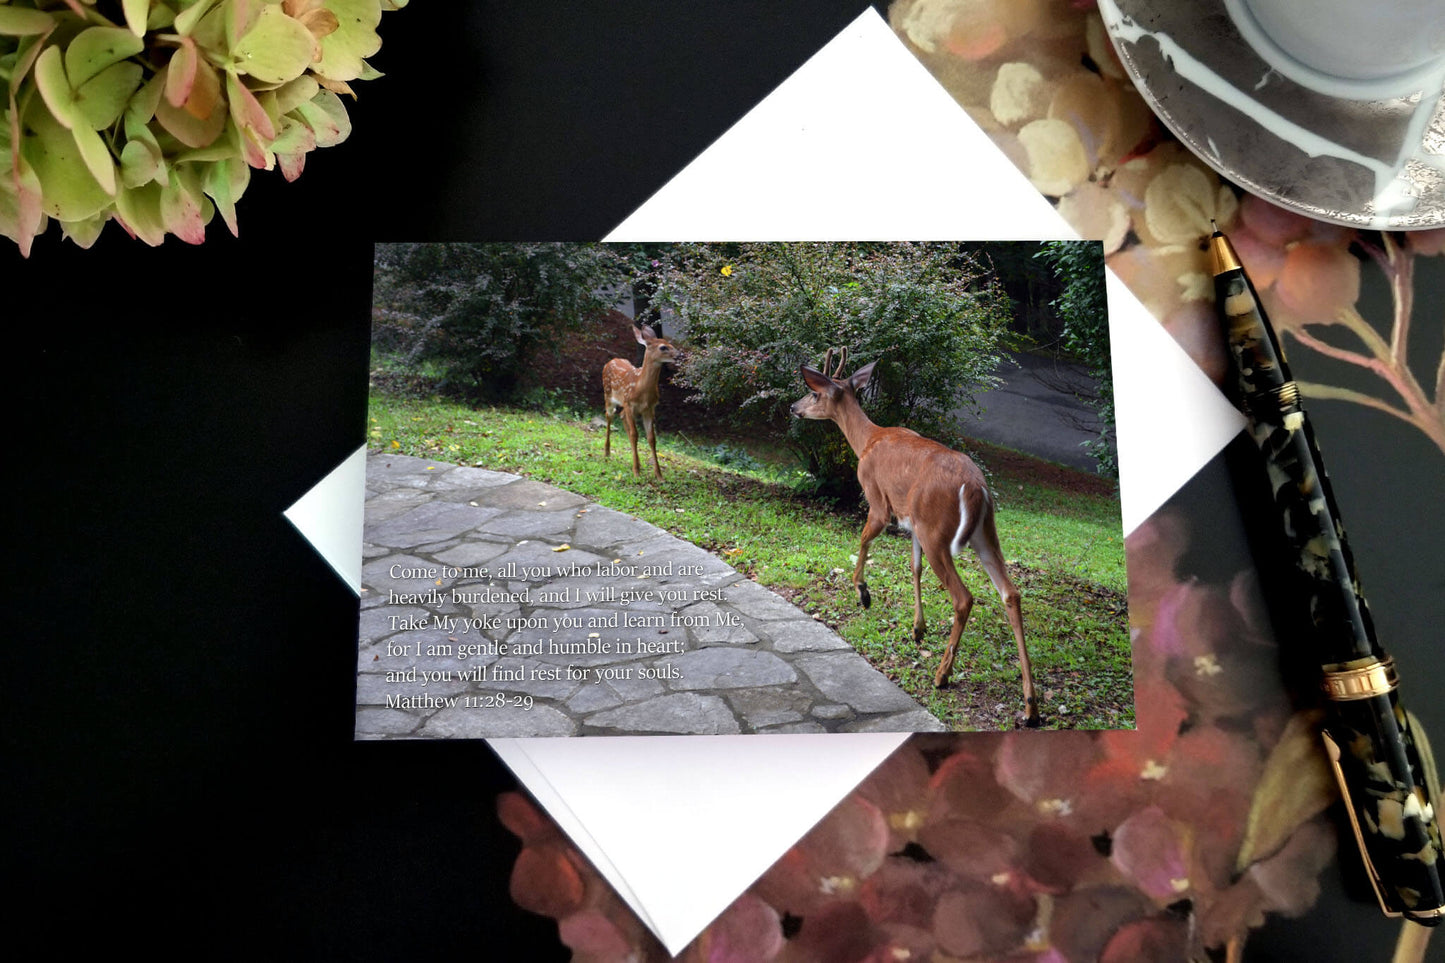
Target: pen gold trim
x: 1375, y: 678
x: 1382, y: 770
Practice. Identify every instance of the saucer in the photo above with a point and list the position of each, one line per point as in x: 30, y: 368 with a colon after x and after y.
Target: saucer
x: 1373, y: 160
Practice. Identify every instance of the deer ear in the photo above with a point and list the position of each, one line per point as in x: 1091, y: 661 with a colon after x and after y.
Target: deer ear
x: 815, y: 379
x: 859, y: 379
x: 643, y: 332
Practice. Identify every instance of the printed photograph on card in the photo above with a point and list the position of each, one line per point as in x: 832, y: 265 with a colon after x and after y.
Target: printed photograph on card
x: 723, y: 488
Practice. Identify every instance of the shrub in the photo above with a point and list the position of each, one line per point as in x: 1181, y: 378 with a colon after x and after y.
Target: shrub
x: 928, y: 314
x: 729, y: 456
x: 482, y: 312
x: 1083, y: 307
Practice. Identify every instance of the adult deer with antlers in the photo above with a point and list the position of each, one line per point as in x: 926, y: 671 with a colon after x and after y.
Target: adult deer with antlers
x: 633, y: 390
x: 939, y: 495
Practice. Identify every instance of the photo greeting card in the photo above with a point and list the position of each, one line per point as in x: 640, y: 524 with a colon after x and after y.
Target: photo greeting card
x: 624, y: 497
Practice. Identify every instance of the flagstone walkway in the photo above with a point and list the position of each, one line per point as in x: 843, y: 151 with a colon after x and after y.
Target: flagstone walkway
x: 497, y: 606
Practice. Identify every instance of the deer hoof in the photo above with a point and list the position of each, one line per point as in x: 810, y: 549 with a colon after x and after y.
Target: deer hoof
x: 863, y: 595
x: 918, y: 632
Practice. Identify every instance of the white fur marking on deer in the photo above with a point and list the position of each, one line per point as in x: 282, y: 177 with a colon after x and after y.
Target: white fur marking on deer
x: 956, y: 546
x: 633, y: 390
x: 939, y: 494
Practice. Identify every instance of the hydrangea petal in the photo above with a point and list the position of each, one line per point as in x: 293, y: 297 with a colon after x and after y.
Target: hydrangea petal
x: 1149, y: 850
x: 277, y: 49
x: 139, y: 164
x: 140, y: 212
x: 182, y: 73
x: 1296, y: 785
x: 326, y: 115
x: 137, y: 12
x: 182, y: 213
x: 188, y: 18
x: 343, y: 50
x: 83, y: 233
x: 21, y: 218
x: 97, y: 48
x: 225, y: 181
x: 96, y: 157
x: 23, y: 22
x: 54, y: 87
x: 100, y: 100
x: 190, y: 130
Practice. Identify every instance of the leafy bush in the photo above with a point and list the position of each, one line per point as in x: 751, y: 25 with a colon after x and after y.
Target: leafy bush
x: 483, y: 312
x: 928, y: 314
x: 1084, y: 310
x: 731, y: 457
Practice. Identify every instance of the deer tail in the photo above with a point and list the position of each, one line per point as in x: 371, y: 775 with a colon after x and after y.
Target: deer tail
x: 966, y: 523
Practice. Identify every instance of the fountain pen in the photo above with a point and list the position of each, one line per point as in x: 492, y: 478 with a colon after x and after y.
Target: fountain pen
x: 1387, y: 779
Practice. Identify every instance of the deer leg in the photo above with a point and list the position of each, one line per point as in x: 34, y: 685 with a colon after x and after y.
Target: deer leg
x: 608, y: 413
x: 630, y: 420
x: 990, y: 556
x: 942, y: 564
x: 652, y: 443
x: 917, y: 590
x: 871, y: 528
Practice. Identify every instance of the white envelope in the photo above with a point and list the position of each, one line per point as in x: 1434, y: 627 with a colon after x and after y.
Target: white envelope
x: 681, y: 825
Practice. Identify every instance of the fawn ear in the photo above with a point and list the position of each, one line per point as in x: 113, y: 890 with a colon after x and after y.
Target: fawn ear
x: 815, y: 379
x: 859, y: 379
x: 642, y: 332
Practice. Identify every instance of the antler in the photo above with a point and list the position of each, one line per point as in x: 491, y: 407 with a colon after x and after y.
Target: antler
x: 828, y: 360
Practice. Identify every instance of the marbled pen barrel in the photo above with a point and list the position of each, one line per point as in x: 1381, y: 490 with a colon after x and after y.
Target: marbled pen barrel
x: 1377, y: 762
x: 1263, y: 387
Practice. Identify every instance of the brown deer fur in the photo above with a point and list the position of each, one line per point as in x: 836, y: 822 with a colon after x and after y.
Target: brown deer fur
x: 634, y: 391
x: 939, y: 495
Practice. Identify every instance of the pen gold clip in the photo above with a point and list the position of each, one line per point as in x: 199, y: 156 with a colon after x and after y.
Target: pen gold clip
x: 1333, y: 751
x: 1352, y: 806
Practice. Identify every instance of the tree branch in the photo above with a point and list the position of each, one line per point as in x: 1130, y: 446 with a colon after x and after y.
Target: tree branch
x: 1321, y: 392
x: 1432, y: 426
x: 1401, y: 272
x: 1421, y: 413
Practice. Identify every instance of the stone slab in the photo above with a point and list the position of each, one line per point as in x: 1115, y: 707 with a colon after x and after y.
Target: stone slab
x: 708, y: 651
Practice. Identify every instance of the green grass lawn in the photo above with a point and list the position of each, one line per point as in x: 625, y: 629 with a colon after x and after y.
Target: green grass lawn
x: 1062, y: 537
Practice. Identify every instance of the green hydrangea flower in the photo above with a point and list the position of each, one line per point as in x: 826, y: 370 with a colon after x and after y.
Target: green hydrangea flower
x: 156, y: 121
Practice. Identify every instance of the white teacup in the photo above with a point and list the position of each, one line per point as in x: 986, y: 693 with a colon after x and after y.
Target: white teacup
x: 1361, y: 49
